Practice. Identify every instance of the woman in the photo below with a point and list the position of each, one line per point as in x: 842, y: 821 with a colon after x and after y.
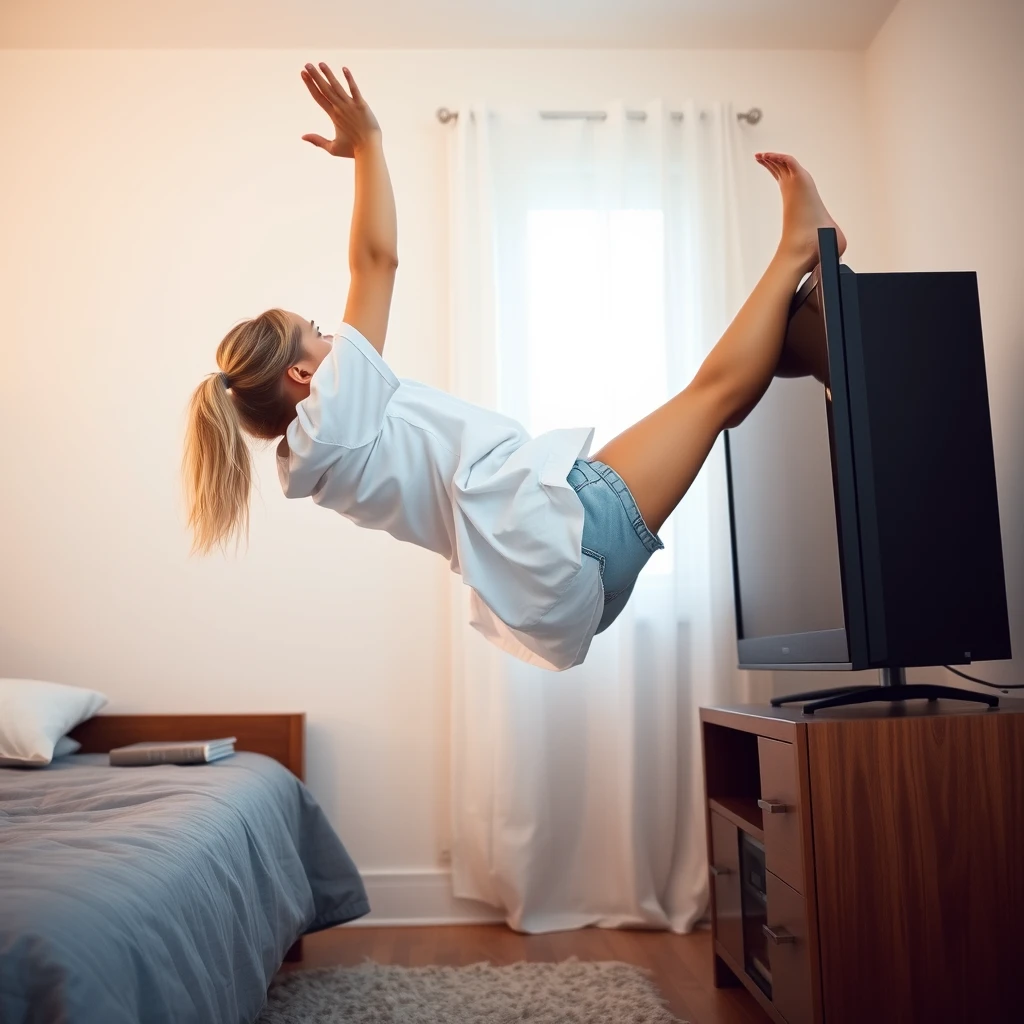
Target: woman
x: 549, y: 540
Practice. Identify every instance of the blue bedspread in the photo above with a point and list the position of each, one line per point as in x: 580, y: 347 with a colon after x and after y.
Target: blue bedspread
x: 159, y: 894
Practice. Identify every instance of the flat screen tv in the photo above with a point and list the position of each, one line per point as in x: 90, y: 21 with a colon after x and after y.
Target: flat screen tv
x: 862, y: 490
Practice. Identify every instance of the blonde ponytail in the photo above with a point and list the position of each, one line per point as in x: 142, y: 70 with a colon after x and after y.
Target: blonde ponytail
x: 247, y: 397
x: 217, y: 468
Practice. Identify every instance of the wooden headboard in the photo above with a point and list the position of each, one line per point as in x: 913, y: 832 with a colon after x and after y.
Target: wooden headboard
x: 281, y: 737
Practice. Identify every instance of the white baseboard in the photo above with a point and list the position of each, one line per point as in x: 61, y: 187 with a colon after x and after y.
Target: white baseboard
x: 419, y: 898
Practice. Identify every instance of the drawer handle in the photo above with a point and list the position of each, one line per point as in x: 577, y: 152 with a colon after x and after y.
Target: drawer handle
x: 718, y: 872
x: 778, y: 935
x: 772, y: 806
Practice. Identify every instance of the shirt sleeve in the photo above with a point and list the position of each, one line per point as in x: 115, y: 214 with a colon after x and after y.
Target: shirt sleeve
x: 348, y: 393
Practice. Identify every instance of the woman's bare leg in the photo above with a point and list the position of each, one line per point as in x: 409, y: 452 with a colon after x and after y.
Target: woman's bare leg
x: 660, y: 456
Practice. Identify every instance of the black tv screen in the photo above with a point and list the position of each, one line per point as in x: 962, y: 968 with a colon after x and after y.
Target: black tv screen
x: 862, y: 488
x: 785, y: 534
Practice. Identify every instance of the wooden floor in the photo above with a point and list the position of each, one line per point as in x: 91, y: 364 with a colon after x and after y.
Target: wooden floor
x: 680, y: 964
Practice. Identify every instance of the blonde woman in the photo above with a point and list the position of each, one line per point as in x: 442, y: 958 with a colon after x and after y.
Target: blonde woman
x: 549, y: 540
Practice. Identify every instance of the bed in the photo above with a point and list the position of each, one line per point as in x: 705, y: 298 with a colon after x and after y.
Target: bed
x: 166, y: 893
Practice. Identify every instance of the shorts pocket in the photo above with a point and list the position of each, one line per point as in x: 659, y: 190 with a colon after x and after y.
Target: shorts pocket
x: 611, y: 596
x: 600, y: 561
x: 577, y: 479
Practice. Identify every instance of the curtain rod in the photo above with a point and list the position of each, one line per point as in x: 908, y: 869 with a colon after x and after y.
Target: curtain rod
x: 751, y: 116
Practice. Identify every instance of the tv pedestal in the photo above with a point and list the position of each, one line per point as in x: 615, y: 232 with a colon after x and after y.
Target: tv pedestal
x: 892, y: 686
x: 865, y: 863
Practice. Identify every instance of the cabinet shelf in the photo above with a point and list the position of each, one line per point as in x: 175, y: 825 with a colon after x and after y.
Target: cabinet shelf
x: 941, y: 776
x: 742, y: 811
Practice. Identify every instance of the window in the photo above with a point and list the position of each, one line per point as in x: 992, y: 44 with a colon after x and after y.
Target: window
x: 595, y: 322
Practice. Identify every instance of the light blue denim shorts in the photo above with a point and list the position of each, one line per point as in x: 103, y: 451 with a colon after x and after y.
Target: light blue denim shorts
x: 614, y: 532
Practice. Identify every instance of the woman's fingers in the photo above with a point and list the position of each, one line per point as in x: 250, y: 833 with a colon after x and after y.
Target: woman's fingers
x: 353, y: 88
x: 317, y: 93
x: 337, y: 96
x: 335, y: 84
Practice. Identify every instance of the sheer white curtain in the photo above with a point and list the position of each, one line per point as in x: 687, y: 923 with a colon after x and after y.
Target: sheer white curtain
x: 593, y: 264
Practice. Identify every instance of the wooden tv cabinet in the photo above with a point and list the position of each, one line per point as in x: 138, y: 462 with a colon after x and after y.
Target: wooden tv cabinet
x: 893, y: 851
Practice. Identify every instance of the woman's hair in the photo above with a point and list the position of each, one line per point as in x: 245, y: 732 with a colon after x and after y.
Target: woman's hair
x: 247, y: 395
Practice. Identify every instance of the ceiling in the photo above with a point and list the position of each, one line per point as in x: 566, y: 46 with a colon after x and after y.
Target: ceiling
x: 442, y: 24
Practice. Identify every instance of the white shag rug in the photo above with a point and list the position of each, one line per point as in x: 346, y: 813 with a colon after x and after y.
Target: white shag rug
x: 569, y: 992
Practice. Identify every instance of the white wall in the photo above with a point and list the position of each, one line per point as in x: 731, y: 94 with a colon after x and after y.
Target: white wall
x: 149, y: 200
x: 945, y: 84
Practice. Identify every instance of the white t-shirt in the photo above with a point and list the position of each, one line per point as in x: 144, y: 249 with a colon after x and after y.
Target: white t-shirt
x: 466, y: 482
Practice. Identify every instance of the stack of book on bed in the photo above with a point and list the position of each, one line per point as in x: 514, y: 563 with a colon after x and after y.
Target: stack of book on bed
x: 175, y: 752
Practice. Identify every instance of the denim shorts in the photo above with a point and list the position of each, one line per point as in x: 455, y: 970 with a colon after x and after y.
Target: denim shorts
x: 614, y: 532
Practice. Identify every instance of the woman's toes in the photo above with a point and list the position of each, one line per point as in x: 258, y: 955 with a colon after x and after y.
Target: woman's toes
x: 780, y: 166
x: 782, y: 162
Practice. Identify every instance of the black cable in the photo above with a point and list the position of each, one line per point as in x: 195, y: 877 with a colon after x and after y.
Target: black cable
x: 975, y: 679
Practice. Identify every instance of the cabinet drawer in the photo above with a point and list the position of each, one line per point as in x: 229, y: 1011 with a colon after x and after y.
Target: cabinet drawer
x: 725, y: 885
x: 788, y: 952
x: 781, y: 811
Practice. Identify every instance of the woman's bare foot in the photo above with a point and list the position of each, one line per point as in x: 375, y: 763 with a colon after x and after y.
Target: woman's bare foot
x: 803, y: 212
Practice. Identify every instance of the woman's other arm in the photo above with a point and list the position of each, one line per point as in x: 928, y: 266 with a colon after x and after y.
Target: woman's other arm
x: 373, y: 239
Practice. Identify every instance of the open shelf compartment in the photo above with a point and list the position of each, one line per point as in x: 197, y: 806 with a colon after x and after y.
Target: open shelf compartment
x: 734, y: 777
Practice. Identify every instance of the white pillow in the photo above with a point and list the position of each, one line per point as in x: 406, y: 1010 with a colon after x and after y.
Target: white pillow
x: 66, y: 746
x: 34, y: 715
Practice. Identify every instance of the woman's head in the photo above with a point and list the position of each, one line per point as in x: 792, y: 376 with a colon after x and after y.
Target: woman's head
x: 265, y: 368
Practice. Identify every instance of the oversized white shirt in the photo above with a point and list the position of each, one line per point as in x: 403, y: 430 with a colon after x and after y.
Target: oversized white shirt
x: 461, y: 480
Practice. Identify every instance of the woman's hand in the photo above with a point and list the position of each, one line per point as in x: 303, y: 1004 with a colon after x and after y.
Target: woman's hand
x: 354, y: 123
